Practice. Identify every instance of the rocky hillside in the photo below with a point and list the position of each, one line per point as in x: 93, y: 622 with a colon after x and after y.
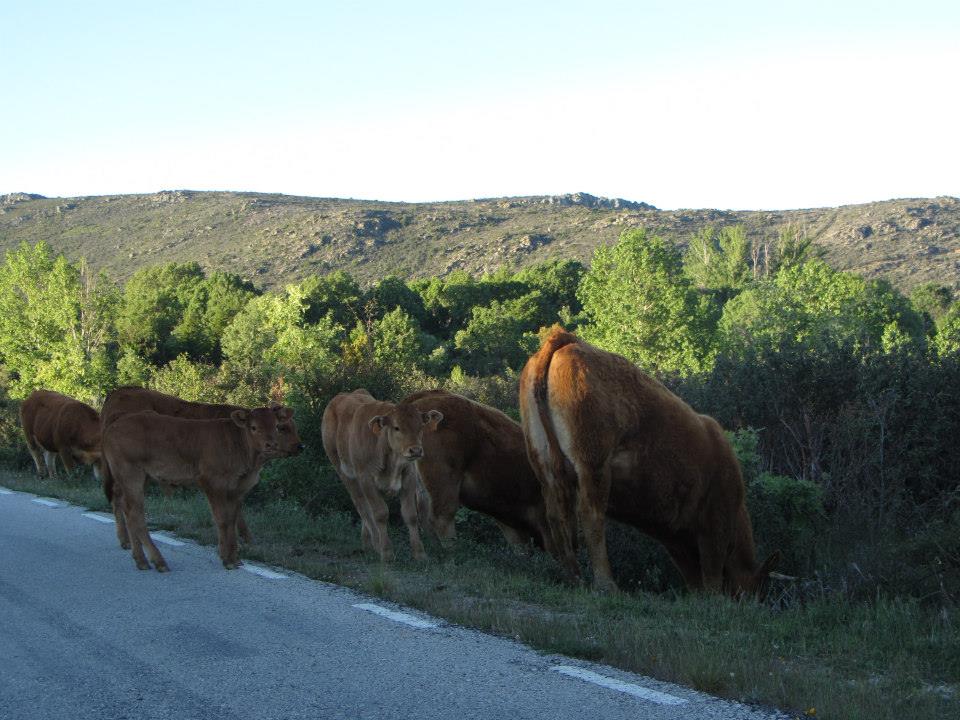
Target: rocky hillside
x: 274, y: 239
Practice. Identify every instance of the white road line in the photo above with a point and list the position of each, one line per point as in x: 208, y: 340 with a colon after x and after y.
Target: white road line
x: 166, y: 540
x: 396, y: 616
x: 4, y: 491
x: 618, y: 685
x: 99, y: 518
x: 47, y: 503
x: 262, y: 571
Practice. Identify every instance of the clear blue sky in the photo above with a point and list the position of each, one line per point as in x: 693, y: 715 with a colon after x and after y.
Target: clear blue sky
x: 696, y: 104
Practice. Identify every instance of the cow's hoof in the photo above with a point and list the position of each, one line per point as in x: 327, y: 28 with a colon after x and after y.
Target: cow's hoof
x: 125, y: 545
x: 142, y: 565
x: 421, y: 557
x: 163, y: 567
x: 232, y: 565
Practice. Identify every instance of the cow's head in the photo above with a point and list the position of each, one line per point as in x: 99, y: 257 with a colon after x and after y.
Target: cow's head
x: 751, y: 583
x: 260, y: 425
x: 403, y: 428
x: 289, y: 442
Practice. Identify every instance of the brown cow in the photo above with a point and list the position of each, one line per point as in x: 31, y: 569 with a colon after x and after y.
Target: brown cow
x: 128, y: 399
x: 56, y: 424
x: 372, y: 445
x: 607, y: 439
x: 477, y: 458
x: 222, y: 456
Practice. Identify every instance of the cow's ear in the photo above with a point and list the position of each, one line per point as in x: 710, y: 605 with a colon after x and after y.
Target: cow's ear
x: 282, y: 413
x: 377, y: 423
x: 432, y: 418
x: 240, y: 417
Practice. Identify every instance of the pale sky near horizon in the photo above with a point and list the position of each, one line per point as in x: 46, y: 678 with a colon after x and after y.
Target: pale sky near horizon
x: 740, y: 105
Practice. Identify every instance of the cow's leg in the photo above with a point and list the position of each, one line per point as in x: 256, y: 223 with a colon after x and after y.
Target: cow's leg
x: 242, y: 530
x: 66, y: 457
x: 559, y: 506
x: 441, y: 484
x: 123, y: 536
x: 408, y: 509
x: 593, y: 495
x: 37, y: 455
x: 225, y: 510
x: 134, y: 481
x: 687, y: 559
x: 712, y: 550
x: 515, y: 536
x: 378, y: 515
x: 51, y: 460
x: 360, y: 503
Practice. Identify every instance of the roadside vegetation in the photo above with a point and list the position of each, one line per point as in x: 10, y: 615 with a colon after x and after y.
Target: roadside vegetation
x: 842, y: 397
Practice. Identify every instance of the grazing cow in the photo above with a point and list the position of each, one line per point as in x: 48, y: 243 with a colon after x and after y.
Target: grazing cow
x: 55, y: 424
x: 222, y: 456
x: 607, y: 439
x: 477, y: 458
x: 128, y: 399
x: 373, y: 445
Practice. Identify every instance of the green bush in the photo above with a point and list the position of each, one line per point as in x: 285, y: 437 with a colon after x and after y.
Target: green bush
x: 306, y: 479
x: 787, y: 515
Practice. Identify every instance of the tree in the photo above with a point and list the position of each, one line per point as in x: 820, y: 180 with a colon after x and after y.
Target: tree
x: 557, y: 281
x: 270, y: 339
x: 336, y: 294
x: 392, y: 293
x: 947, y: 340
x: 500, y: 335
x: 154, y: 301
x: 210, y: 307
x: 639, y: 303
x: 56, y: 324
x: 933, y: 300
x: 719, y: 261
x: 810, y: 302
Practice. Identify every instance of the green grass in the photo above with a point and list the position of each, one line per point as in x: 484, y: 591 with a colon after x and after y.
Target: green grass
x: 889, y: 658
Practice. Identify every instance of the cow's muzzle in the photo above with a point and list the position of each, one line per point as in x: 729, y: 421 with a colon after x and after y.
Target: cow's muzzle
x: 414, y: 453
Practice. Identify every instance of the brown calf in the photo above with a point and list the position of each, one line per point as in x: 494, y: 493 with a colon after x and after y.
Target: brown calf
x: 373, y: 445
x: 57, y: 425
x: 477, y: 458
x: 126, y: 400
x: 221, y: 456
x: 607, y: 439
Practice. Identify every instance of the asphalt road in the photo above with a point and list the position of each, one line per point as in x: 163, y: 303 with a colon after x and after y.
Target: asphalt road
x: 83, y: 634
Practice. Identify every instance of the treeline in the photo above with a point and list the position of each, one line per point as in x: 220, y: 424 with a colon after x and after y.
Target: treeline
x: 844, y: 394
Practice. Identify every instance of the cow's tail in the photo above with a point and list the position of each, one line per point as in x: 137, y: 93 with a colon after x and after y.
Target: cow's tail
x: 107, y: 478
x: 558, y: 480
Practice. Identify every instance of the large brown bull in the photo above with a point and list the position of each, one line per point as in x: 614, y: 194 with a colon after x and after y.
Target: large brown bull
x: 477, y: 458
x: 607, y: 439
x: 56, y: 425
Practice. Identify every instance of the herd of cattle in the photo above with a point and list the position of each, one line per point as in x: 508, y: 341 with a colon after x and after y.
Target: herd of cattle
x: 597, y: 438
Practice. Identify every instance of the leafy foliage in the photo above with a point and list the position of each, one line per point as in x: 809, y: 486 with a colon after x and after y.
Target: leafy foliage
x: 639, y: 303
x: 56, y: 325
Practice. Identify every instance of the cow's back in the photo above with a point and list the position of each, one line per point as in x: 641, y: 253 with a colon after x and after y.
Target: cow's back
x: 173, y: 450
x: 40, y: 413
x: 128, y: 400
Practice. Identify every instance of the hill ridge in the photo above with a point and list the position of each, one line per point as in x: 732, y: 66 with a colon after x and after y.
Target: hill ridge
x: 274, y: 238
